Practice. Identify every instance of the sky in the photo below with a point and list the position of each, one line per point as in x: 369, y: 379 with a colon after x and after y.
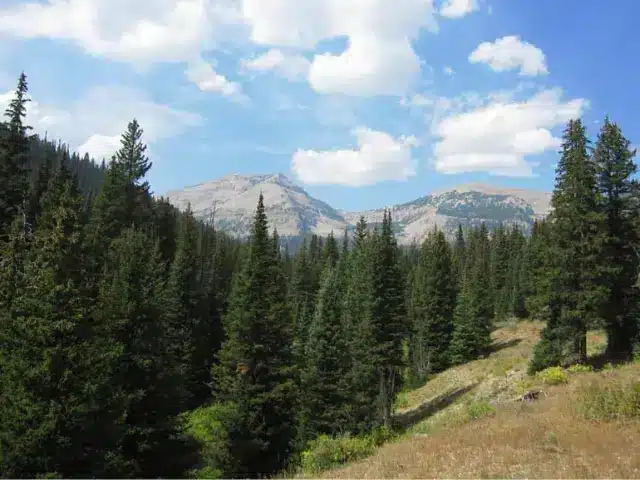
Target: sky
x: 364, y: 103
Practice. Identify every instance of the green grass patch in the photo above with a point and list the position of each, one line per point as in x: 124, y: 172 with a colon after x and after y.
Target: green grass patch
x: 580, y: 368
x: 611, y: 401
x: 480, y: 409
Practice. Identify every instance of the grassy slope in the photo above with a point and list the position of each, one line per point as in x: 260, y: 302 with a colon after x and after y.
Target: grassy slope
x: 464, y: 423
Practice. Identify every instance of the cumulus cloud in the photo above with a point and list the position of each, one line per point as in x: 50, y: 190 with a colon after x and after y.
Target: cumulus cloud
x: 511, y: 53
x: 457, y: 8
x: 95, y: 122
x: 377, y: 157
x: 379, y: 58
x: 498, y: 136
x: 290, y: 66
x: 138, y: 32
x: 205, y: 77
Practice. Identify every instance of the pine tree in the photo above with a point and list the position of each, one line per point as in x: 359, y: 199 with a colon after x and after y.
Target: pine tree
x: 459, y: 255
x: 331, y: 253
x: 52, y: 369
x: 256, y: 361
x: 389, y: 318
x: 324, y: 388
x: 614, y: 170
x: 192, y: 333
x: 576, y: 238
x: 500, y: 260
x: 125, y: 199
x: 14, y: 146
x: 432, y: 303
x: 146, y: 378
x: 359, y: 332
x: 473, y: 313
x: 302, y: 301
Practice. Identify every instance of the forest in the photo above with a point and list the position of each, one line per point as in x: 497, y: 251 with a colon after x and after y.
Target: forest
x: 137, y: 341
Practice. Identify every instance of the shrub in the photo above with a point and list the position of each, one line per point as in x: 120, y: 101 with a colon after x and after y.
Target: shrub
x: 327, y: 452
x: 612, y: 401
x: 553, y: 376
x: 402, y: 401
x: 580, y: 368
x: 209, y: 427
x: 480, y: 409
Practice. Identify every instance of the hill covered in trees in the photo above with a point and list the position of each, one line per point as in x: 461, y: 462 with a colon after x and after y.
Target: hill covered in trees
x: 137, y: 341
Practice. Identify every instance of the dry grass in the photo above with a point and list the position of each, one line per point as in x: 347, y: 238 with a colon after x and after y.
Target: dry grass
x: 546, y: 439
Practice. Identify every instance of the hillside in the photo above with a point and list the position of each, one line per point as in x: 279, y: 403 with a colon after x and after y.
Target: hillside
x: 230, y: 201
x: 464, y: 423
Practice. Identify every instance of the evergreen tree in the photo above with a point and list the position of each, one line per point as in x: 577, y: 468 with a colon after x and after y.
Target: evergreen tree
x: 576, y: 242
x: 359, y: 332
x: 302, y: 300
x: 389, y: 318
x: 256, y: 362
x: 459, y: 255
x: 193, y: 333
x: 473, y: 314
x: 432, y: 303
x: 324, y: 388
x: 52, y: 369
x: 146, y: 378
x: 14, y: 146
x: 619, y: 263
x: 331, y: 253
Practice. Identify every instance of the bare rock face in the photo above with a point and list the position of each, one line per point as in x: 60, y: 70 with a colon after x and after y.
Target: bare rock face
x: 230, y: 203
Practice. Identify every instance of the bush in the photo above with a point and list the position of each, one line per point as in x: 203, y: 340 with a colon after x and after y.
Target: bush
x: 480, y: 409
x: 553, y: 376
x: 580, y: 368
x: 327, y: 452
x: 209, y: 427
x: 612, y: 401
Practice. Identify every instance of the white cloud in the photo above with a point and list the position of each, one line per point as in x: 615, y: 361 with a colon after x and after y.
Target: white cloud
x: 379, y: 58
x: 125, y: 30
x: 292, y: 67
x: 499, y: 135
x: 205, y: 77
x: 95, y: 122
x: 449, y: 71
x: 510, y: 53
x: 457, y: 8
x: 378, y: 157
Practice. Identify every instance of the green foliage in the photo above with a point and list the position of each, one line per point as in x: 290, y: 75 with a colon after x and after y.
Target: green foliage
x: 480, y: 409
x: 210, y: 426
x: 611, y: 401
x: 553, y: 376
x: 327, y: 452
x: 579, y: 368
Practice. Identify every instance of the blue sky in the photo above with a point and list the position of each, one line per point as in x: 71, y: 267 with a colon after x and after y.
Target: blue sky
x: 364, y: 103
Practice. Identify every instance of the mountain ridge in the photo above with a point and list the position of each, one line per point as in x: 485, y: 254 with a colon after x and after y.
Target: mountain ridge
x: 230, y: 203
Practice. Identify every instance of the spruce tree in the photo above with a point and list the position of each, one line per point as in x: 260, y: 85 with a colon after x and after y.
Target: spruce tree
x: 577, y: 293
x: 192, y: 332
x: 359, y: 332
x: 52, y: 368
x: 14, y: 147
x: 619, y: 263
x: 256, y: 362
x: 146, y: 376
x: 389, y: 318
x: 324, y: 388
x: 432, y: 303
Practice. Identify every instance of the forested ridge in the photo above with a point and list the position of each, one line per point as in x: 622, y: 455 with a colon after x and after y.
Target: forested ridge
x: 137, y: 341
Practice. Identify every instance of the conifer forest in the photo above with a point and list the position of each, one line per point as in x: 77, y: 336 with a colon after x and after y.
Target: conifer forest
x: 137, y: 341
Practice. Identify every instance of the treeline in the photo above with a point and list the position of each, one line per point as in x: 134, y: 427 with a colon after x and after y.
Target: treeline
x: 136, y: 341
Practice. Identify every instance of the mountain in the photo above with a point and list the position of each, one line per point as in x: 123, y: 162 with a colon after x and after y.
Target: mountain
x: 231, y: 201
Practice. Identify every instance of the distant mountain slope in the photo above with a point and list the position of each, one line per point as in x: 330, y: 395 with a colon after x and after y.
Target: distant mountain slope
x: 231, y: 202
